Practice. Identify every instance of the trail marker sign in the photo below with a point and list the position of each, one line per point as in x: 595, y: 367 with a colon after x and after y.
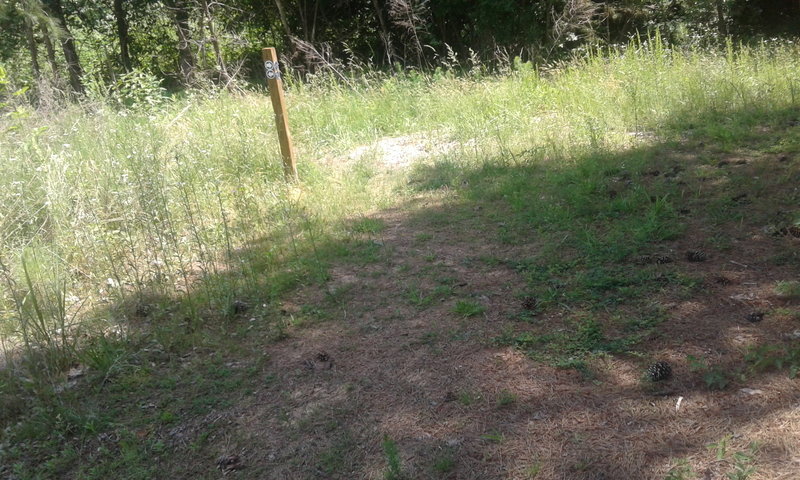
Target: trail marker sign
x: 275, y: 84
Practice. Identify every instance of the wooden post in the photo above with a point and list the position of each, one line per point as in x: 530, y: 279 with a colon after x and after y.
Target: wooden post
x: 275, y: 85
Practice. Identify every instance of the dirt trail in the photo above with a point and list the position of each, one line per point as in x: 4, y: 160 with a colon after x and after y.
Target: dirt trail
x: 391, y: 365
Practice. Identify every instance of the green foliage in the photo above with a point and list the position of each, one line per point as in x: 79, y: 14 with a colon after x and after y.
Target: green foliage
x: 457, y: 35
x: 715, y: 377
x: 444, y: 463
x: 394, y: 468
x: 789, y: 289
x: 11, y: 104
x: 773, y: 357
x: 104, y: 355
x: 532, y: 472
x: 506, y: 398
x: 468, y: 308
x: 136, y: 90
x: 740, y: 462
x: 369, y: 225
x: 681, y: 471
x: 467, y: 398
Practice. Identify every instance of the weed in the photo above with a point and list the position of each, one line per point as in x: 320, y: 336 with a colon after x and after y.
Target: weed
x: 681, y: 471
x: 494, y: 437
x: 369, y: 225
x: 532, y: 471
x: 429, y: 338
x: 418, y: 298
x: 394, y: 468
x: 714, y: 377
x: 506, y: 398
x: 104, y: 355
x: 442, y: 291
x: 444, y: 463
x: 468, y: 308
x: 467, y: 398
x: 789, y: 289
x: 740, y: 462
x: 573, y: 363
x: 771, y: 357
x: 334, y: 458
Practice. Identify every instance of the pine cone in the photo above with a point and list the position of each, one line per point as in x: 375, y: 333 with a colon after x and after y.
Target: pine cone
x: 696, y: 256
x: 659, y: 371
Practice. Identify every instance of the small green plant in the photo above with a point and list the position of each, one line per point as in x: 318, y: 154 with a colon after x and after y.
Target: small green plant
x: 772, y: 357
x: 681, y: 471
x: 104, y: 355
x: 494, y: 437
x: 789, y: 289
x: 720, y: 448
x: 334, y: 458
x: 444, y: 463
x: 467, y: 308
x: 532, y: 471
x: 467, y: 398
x: 15, y: 112
x: 167, y: 417
x: 418, y: 298
x: 740, y: 462
x: 714, y: 377
x: 394, y: 468
x: 506, y: 398
x: 589, y: 337
x: 368, y: 226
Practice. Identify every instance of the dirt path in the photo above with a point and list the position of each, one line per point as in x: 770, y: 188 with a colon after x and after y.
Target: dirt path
x: 396, y: 362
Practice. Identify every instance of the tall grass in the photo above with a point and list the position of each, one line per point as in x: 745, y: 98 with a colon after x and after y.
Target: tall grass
x: 185, y: 202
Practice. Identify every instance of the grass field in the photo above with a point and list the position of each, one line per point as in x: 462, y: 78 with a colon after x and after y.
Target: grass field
x: 469, y: 281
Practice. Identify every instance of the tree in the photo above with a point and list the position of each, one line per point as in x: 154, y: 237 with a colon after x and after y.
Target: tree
x: 186, y: 58
x: 55, y: 9
x: 386, y: 37
x: 74, y: 70
x: 121, y: 17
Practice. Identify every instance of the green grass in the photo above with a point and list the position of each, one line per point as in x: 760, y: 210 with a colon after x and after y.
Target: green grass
x: 182, y: 210
x: 394, y: 467
x: 468, y: 308
x: 788, y: 289
x: 506, y: 398
x: 444, y: 464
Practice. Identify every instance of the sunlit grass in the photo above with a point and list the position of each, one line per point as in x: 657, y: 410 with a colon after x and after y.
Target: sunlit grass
x: 188, y: 201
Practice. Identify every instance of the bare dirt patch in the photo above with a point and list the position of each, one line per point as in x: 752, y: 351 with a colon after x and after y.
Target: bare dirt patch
x: 402, y: 151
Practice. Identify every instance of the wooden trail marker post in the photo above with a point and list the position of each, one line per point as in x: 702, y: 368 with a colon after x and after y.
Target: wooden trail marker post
x: 275, y: 85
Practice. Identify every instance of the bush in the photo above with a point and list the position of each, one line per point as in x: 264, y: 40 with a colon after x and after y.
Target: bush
x: 136, y: 90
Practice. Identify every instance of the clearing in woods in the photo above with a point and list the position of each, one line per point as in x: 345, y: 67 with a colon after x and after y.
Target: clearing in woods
x: 477, y: 351
x: 492, y: 315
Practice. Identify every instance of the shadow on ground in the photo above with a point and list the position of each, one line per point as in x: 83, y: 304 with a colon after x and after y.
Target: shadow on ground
x: 448, y: 340
x: 499, y: 325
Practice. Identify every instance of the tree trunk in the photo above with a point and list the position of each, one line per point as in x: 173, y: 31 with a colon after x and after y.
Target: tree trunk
x: 223, y: 70
x: 68, y: 47
x: 33, y: 49
x: 387, y: 41
x: 284, y: 20
x: 186, y: 60
x: 721, y: 23
x: 122, y: 32
x: 51, y: 52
